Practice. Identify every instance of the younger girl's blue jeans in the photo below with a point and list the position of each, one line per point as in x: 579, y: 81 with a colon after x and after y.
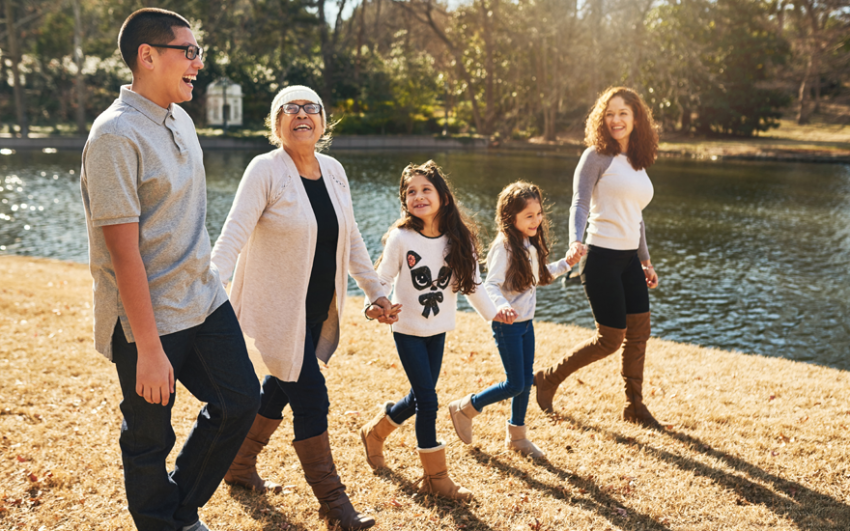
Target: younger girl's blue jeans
x: 516, y: 347
x: 422, y: 358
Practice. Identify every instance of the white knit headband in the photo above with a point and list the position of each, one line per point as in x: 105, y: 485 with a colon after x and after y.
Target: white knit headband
x: 293, y: 93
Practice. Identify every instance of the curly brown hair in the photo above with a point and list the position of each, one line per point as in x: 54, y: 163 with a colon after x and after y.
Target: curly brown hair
x: 512, y: 200
x: 643, y: 141
x: 464, y: 247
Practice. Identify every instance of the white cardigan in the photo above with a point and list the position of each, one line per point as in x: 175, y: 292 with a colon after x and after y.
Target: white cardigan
x: 270, y: 237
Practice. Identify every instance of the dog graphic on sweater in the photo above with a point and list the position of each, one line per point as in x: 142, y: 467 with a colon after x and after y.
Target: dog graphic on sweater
x: 423, y: 280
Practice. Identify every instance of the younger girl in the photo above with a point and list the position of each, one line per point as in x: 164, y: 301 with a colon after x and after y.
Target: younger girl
x: 516, y: 265
x: 430, y: 254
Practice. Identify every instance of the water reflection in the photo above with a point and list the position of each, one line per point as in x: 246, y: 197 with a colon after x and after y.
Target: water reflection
x: 752, y: 256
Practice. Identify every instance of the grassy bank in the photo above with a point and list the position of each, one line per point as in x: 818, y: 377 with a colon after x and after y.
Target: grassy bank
x: 755, y: 443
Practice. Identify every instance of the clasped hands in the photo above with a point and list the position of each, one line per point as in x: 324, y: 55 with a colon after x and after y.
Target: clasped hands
x: 383, y: 311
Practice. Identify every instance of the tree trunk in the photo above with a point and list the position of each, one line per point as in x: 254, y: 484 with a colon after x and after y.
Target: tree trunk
x: 377, y: 27
x: 802, y: 115
x: 816, y: 85
x: 15, y: 56
x: 489, y: 12
x: 358, y: 57
x: 596, y: 10
x: 80, y: 81
x: 686, y: 119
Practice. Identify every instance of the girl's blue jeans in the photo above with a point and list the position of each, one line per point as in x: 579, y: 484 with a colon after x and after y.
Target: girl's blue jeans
x: 516, y: 347
x: 422, y: 358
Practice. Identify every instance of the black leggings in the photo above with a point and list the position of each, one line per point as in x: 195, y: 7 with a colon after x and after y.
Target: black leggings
x: 614, y: 284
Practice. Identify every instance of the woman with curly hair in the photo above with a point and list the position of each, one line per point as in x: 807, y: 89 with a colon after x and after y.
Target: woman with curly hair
x: 610, y: 189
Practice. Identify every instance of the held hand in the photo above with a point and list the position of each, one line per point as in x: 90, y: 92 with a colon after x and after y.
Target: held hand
x: 575, y: 252
x: 651, y: 276
x: 154, y: 376
x: 374, y: 312
x: 384, y: 311
x: 390, y: 317
x: 506, y: 315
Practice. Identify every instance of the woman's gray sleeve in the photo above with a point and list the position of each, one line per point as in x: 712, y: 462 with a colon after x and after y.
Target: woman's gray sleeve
x: 590, y: 168
x: 643, y: 250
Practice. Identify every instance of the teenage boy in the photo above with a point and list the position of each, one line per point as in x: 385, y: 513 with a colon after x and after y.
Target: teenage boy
x: 160, y: 312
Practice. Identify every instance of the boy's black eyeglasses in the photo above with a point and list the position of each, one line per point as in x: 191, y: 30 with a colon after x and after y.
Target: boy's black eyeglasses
x: 294, y: 108
x: 191, y: 50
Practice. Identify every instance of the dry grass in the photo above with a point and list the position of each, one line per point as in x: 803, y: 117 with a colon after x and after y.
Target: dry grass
x: 757, y: 443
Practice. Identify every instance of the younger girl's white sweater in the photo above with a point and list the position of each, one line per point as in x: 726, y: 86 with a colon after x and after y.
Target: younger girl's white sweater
x: 414, y: 266
x: 523, y: 302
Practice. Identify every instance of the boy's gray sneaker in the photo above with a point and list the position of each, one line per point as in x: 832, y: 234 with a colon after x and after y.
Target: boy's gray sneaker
x: 197, y: 526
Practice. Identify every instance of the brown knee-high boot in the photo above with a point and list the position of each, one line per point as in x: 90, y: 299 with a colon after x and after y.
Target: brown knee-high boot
x: 605, y: 342
x: 320, y: 473
x: 243, y: 470
x: 634, y: 355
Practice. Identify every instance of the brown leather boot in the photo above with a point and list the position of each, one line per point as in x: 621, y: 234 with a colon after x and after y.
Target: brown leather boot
x: 243, y: 470
x: 605, y: 342
x: 374, y: 433
x: 320, y: 473
x: 436, y: 479
x: 634, y: 354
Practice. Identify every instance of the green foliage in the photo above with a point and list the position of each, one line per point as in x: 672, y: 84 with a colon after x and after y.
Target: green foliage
x: 713, y: 58
x: 517, y: 68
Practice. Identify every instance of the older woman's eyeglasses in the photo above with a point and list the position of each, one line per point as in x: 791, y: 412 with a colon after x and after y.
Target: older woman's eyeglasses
x: 294, y: 108
x: 191, y: 51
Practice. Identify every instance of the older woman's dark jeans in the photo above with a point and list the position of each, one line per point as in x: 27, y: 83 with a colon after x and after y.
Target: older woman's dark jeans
x: 308, y: 396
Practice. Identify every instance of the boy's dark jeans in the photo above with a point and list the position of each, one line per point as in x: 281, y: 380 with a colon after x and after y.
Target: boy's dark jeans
x: 211, y: 361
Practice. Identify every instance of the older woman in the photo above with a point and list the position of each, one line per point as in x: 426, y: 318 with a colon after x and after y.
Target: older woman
x: 610, y: 190
x: 292, y: 228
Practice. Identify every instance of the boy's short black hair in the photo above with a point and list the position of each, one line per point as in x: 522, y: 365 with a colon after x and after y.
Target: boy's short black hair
x: 147, y: 26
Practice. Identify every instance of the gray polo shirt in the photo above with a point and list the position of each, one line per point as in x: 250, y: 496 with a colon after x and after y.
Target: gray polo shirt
x: 143, y: 164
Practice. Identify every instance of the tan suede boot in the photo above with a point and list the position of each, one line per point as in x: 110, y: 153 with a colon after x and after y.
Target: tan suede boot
x: 374, y: 433
x: 320, y: 473
x: 634, y: 355
x: 517, y: 441
x: 436, y: 479
x: 605, y: 342
x: 243, y: 470
x: 462, y: 412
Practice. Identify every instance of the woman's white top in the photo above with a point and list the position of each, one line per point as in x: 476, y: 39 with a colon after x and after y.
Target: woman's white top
x: 609, y: 196
x: 414, y: 267
x: 270, y: 238
x: 523, y: 302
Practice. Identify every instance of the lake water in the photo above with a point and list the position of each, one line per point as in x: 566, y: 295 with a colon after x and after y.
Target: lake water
x: 752, y: 256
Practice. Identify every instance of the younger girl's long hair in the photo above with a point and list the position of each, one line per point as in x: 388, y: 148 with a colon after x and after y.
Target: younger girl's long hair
x: 463, y: 246
x: 643, y: 141
x: 513, y: 200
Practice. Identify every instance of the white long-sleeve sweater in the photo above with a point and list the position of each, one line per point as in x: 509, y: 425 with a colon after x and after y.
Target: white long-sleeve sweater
x: 609, y: 196
x: 414, y: 267
x: 523, y: 302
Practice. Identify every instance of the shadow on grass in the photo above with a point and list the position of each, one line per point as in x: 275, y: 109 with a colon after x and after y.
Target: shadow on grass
x: 458, y: 511
x: 807, y: 508
x: 259, y: 506
x: 604, y: 504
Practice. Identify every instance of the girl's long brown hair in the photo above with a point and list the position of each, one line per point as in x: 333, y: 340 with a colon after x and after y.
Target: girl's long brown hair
x: 463, y: 246
x: 643, y: 141
x: 513, y: 200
